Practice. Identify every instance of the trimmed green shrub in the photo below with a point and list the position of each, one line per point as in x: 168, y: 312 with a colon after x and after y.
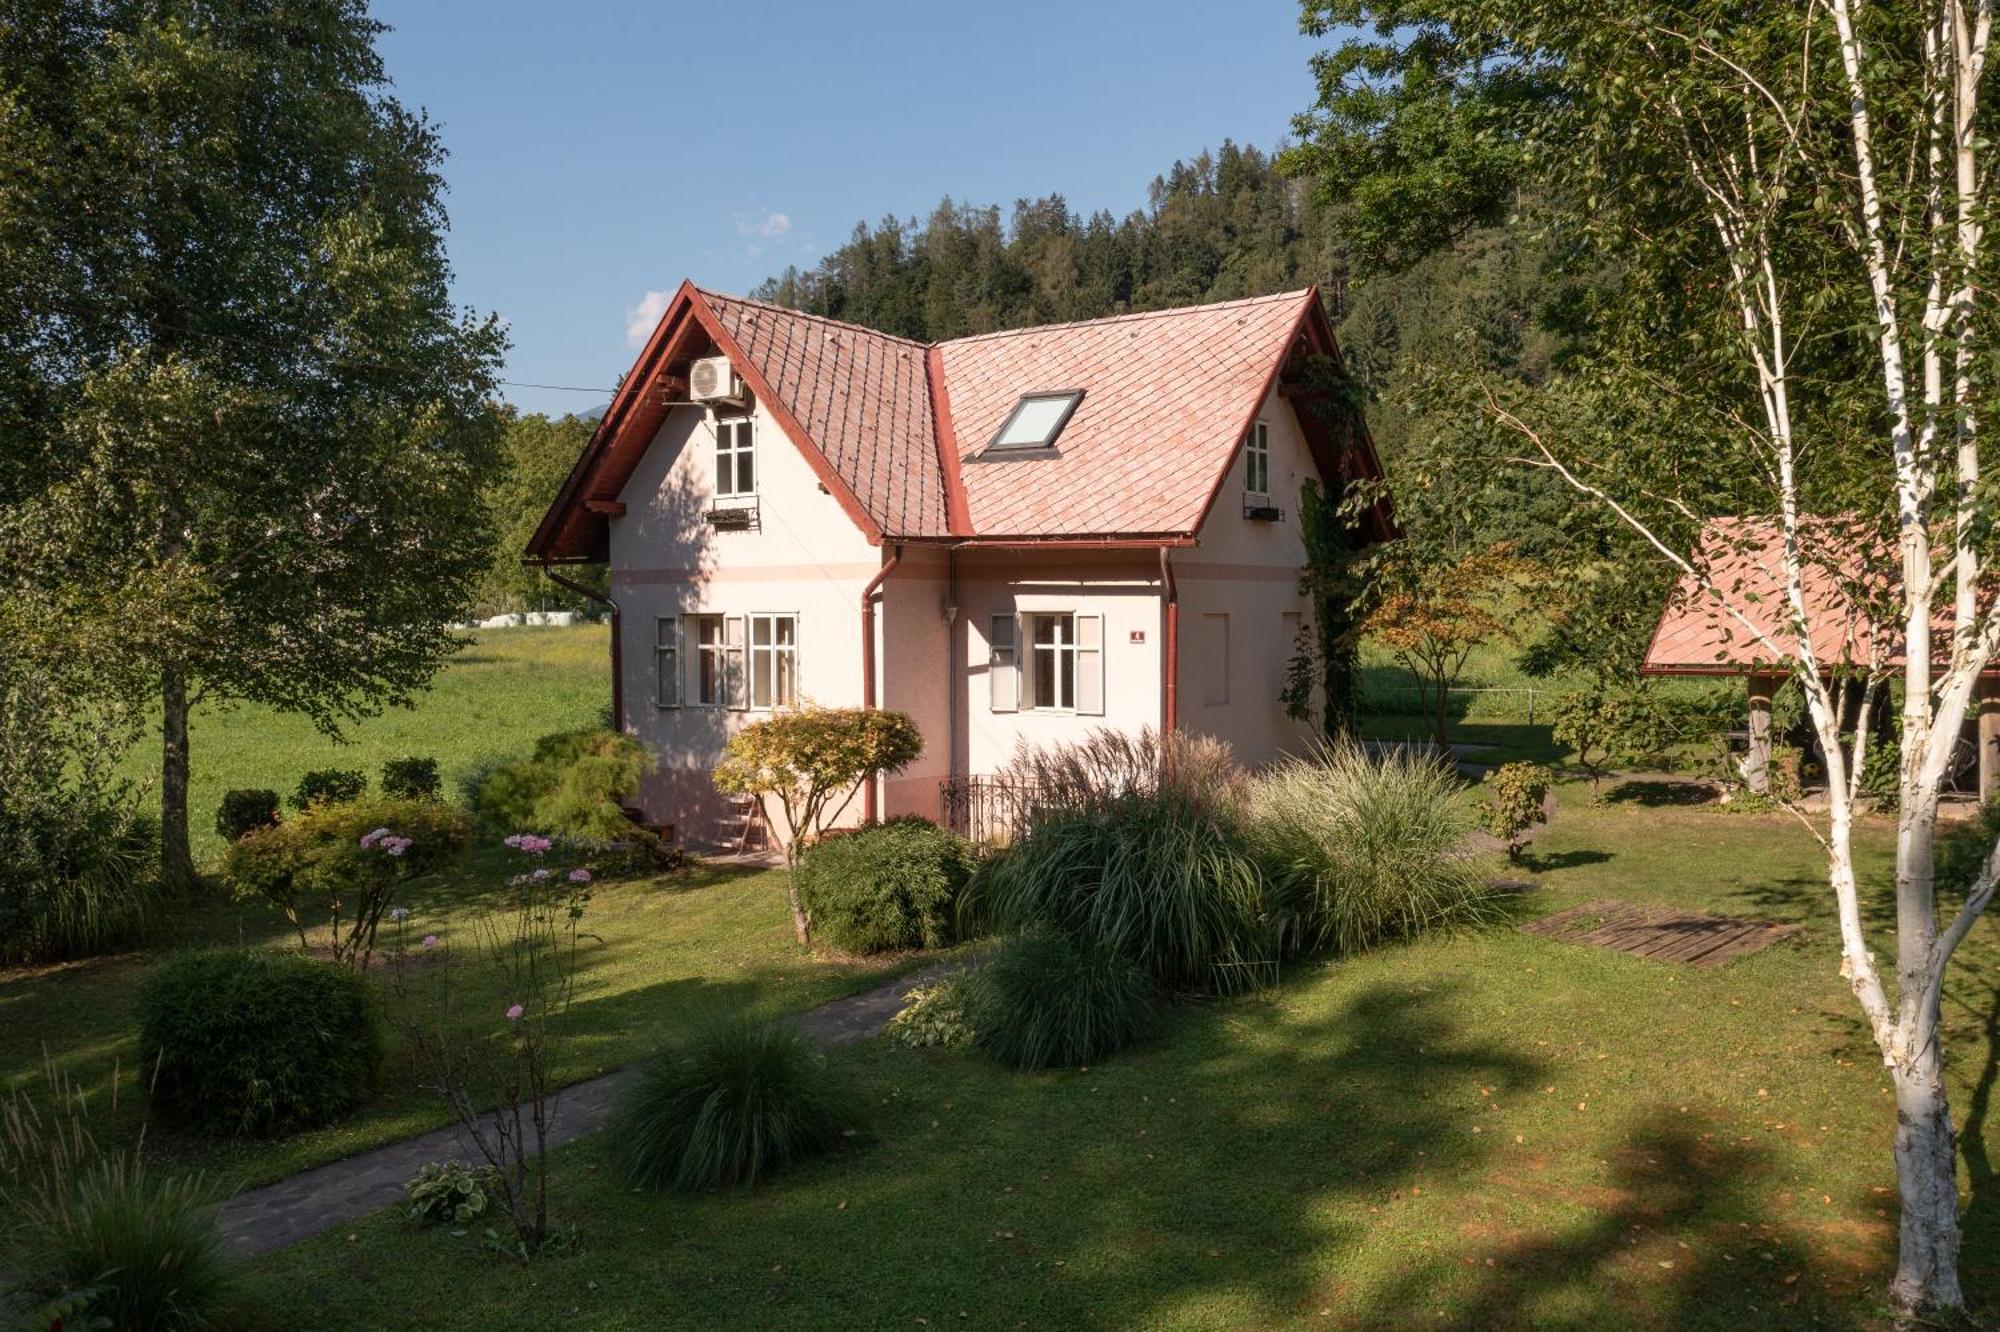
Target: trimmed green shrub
x: 939, y: 1014
x: 1159, y: 877
x: 1360, y: 849
x: 1519, y: 792
x: 1047, y: 1000
x: 245, y: 811
x: 451, y: 1191
x: 329, y: 786
x: 344, y: 861
x: 893, y: 885
x: 249, y: 1042
x: 132, y: 1248
x: 575, y: 783
x: 734, y: 1104
x: 411, y: 778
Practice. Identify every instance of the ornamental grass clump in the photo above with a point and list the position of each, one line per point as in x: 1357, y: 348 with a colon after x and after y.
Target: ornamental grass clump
x: 732, y: 1105
x: 1161, y: 878
x: 94, y: 1238
x: 1050, y: 1000
x: 1360, y: 849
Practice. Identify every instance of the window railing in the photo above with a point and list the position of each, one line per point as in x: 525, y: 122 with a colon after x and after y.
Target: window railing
x: 735, y: 513
x: 994, y: 810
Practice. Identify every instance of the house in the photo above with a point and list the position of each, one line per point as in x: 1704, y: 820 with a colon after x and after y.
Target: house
x: 1014, y: 536
x: 1848, y: 601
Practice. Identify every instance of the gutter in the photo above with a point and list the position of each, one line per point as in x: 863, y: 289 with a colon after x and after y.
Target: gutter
x: 617, y: 657
x: 868, y: 811
x: 1170, y: 651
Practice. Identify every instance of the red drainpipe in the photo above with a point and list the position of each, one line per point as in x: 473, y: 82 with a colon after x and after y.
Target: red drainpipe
x: 1170, y: 651
x: 868, y: 663
x: 617, y: 673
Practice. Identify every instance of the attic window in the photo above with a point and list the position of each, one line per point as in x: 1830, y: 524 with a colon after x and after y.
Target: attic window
x: 1036, y: 421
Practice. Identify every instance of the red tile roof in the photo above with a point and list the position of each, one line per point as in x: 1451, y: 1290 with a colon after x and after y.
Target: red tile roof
x: 863, y: 398
x: 896, y: 428
x: 1743, y: 558
x: 1166, y: 398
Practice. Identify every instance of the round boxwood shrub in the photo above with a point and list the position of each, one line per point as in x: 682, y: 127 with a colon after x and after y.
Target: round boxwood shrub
x: 893, y: 885
x: 329, y: 786
x: 244, y: 811
x: 735, y: 1103
x: 1049, y: 1000
x: 248, y: 1042
x: 411, y: 778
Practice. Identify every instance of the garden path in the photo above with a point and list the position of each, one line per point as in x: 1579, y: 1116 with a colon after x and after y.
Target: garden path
x: 260, y: 1220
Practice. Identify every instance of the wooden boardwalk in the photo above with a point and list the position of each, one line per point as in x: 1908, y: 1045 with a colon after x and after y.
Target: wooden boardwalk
x: 1660, y: 933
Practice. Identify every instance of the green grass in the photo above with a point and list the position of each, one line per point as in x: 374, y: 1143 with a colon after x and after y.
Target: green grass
x: 665, y: 952
x: 1487, y: 1130
x: 506, y: 688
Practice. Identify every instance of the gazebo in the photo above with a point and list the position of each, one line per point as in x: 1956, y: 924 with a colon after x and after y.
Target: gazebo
x: 1742, y: 558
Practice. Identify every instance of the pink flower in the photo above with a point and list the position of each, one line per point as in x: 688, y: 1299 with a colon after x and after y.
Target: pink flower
x: 396, y: 846
x: 579, y: 876
x: 528, y: 843
x: 430, y: 941
x: 514, y: 1013
x: 369, y: 839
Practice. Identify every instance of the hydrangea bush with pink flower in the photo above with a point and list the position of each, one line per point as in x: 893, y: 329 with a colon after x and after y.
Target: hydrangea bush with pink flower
x: 343, y: 864
x: 499, y: 1080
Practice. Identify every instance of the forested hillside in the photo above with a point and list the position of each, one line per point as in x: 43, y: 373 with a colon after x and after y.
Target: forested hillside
x: 1222, y: 225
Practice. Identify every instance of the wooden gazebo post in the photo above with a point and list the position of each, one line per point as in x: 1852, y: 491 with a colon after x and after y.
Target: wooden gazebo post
x: 1989, y: 738
x: 1757, y: 762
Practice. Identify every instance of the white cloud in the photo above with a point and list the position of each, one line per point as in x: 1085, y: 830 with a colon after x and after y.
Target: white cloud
x: 770, y: 225
x: 640, y: 319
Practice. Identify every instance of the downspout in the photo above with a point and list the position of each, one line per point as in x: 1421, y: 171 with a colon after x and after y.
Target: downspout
x: 617, y: 670
x: 1170, y: 651
x: 868, y: 662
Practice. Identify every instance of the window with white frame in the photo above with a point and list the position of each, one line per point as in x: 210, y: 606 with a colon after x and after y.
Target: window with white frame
x: 774, y: 661
x: 735, y: 459
x: 698, y: 661
x: 1046, y: 661
x: 711, y: 665
x: 1257, y: 460
x: 1052, y: 679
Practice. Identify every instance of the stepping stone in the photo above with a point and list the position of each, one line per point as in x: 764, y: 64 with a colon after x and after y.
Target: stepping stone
x: 1660, y: 933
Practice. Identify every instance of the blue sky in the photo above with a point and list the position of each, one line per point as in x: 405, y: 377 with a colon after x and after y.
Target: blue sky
x: 602, y: 150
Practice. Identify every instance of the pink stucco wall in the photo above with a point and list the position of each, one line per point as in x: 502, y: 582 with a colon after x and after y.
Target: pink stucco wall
x: 1244, y: 575
x: 806, y: 557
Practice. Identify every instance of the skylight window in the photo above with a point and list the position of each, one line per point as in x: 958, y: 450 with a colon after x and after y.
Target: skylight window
x: 1036, y: 420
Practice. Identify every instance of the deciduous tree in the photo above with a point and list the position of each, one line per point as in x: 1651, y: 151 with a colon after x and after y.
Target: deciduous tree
x: 809, y: 760
x: 243, y: 422
x: 1797, y: 198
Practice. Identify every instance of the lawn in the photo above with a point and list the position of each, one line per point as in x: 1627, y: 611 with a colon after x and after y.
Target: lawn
x: 1488, y: 1130
x: 665, y: 952
x: 505, y: 688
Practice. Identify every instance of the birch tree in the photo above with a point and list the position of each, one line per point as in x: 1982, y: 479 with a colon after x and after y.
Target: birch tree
x: 1797, y: 199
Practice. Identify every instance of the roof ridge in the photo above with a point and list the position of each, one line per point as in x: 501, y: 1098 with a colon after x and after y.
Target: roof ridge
x: 1130, y: 316
x: 807, y: 314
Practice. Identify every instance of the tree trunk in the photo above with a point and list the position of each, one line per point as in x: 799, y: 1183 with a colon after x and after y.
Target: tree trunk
x: 801, y: 922
x: 176, y: 857
x: 1927, y: 1178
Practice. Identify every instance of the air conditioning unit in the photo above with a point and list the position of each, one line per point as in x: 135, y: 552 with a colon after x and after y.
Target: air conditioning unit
x: 712, y: 379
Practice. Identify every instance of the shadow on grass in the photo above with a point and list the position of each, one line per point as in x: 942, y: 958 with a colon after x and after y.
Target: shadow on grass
x: 1662, y: 793
x: 1542, y: 862
x: 1674, y: 1239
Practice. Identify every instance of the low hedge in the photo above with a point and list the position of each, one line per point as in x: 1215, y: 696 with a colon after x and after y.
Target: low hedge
x: 893, y: 885
x: 244, y: 1042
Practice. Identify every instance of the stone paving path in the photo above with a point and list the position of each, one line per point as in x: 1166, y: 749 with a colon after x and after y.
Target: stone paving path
x: 261, y: 1220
